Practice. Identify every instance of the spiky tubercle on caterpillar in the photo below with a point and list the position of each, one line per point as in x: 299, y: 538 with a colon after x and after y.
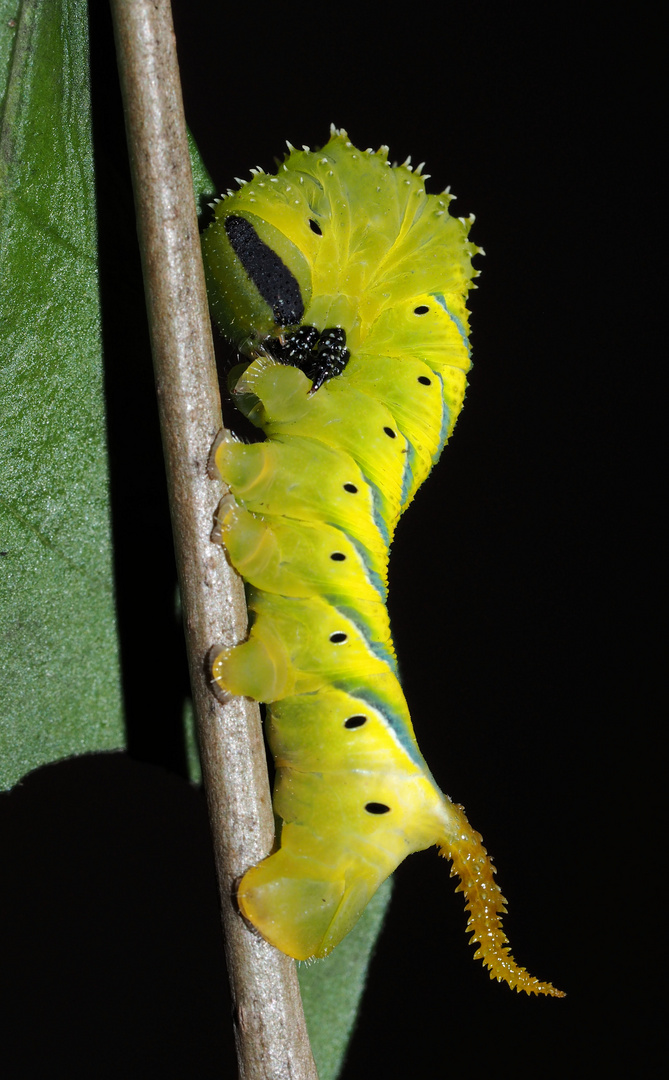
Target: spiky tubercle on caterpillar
x: 344, y: 285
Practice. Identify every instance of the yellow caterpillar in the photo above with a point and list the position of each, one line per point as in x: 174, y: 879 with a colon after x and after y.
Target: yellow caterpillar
x: 344, y: 285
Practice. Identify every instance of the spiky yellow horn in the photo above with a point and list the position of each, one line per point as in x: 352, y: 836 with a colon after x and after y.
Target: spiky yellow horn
x: 486, y: 905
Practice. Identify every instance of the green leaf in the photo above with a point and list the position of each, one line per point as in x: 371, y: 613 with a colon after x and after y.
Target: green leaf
x: 332, y: 988
x: 9, y: 12
x: 59, y: 660
x: 59, y: 657
x: 203, y: 185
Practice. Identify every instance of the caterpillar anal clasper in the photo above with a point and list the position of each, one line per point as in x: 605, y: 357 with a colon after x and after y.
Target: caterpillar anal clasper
x: 344, y: 284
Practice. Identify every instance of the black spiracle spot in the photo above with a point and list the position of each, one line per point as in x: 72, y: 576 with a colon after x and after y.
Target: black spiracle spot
x: 315, y: 227
x: 337, y: 556
x: 424, y: 381
x: 355, y: 721
x: 377, y: 808
x: 339, y: 637
x: 351, y: 488
x: 422, y: 309
x: 390, y: 433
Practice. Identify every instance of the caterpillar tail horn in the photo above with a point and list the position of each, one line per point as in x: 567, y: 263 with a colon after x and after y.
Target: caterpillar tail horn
x: 486, y: 905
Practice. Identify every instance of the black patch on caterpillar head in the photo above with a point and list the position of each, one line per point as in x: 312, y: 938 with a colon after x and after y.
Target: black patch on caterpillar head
x: 320, y: 356
x: 377, y: 808
x: 271, y: 277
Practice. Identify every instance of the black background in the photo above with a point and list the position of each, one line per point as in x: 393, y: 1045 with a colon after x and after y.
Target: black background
x: 523, y: 599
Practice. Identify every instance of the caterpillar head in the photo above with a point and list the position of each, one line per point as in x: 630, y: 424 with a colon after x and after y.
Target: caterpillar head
x: 336, y: 239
